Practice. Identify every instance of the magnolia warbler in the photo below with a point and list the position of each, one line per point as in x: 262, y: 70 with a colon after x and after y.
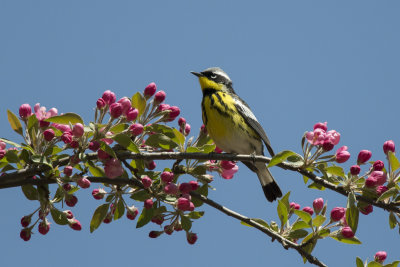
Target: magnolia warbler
x: 233, y: 126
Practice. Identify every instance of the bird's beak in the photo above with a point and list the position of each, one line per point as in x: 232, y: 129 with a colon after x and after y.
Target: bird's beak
x: 197, y: 74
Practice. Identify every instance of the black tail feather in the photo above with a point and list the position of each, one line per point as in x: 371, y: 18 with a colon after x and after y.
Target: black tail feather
x: 272, y: 191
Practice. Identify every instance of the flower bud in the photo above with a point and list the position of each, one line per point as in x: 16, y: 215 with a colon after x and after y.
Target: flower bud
x: 168, y: 229
x: 342, y: 155
x: 158, y: 219
x: 44, y: 227
x: 355, y: 169
x: 171, y: 189
x: 67, y: 187
x: 68, y: 214
x: 66, y: 137
x: 294, y: 205
x: 163, y: 107
x: 181, y: 121
x: 115, y: 110
x: 321, y: 125
x: 25, y: 111
x: 74, y: 144
x: 378, y: 165
x: 94, y: 146
x: 187, y: 129
x: 327, y: 146
x: 337, y: 213
x: 150, y: 90
x: 167, y: 177
x: 78, y: 130
x: 191, y: 238
x: 98, y: 193
x: 185, y: 188
x: 174, y: 112
x: 148, y: 203
x: 146, y: 181
x: 83, y: 182
x: 102, y: 155
x: 380, y: 256
x: 68, y: 170
x: 109, y: 97
x: 363, y: 156
x: 113, y: 168
x: 194, y: 185
x: 159, y: 97
x: 151, y: 165
x: 126, y: 104
x: 381, y: 189
x: 75, y: 224
x: 132, y: 114
x: 388, y: 146
x: 347, y: 232
x: 48, y: 135
x: 25, y: 234
x: 155, y: 234
x: 136, y: 129
x: 184, y: 204
x: 318, y: 205
x: 100, y: 103
x: 227, y: 165
x: 71, y: 200
x: 108, y: 218
x: 367, y: 209
x: 228, y: 174
x: 132, y: 212
x: 379, y: 176
x: 25, y: 221
x: 2, y: 153
x: 309, y: 210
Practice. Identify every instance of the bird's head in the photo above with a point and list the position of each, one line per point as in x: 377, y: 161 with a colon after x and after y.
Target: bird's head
x: 214, y: 78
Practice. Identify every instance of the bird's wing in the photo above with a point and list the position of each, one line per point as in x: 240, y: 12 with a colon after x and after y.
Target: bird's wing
x: 251, y: 120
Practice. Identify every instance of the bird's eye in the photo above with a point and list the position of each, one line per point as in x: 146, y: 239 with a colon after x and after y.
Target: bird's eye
x: 213, y: 76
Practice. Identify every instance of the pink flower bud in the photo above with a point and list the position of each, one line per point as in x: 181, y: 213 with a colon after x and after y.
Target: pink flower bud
x: 318, y: 205
x: 68, y: 170
x: 83, y: 182
x: 148, y: 203
x: 25, y: 111
x: 113, y: 168
x: 317, y: 137
x: 367, y: 209
x: 347, y: 232
x: 228, y: 174
x: 44, y: 227
x: 159, y: 97
x: 74, y: 144
x: 167, y: 177
x: 191, y: 238
x: 332, y: 137
x: 62, y: 127
x: 132, y: 114
x: 66, y: 137
x: 2, y: 145
x: 187, y: 129
x: 194, y: 185
x: 184, y: 204
x: 136, y: 129
x: 109, y: 97
x: 151, y: 165
x: 101, y: 103
x: 2, y: 153
x: 227, y: 165
x: 98, y: 193
x: 155, y: 234
x: 108, y: 218
x: 158, y: 219
x: 203, y: 129
x: 175, y: 111
x: 94, y: 146
x: 327, y: 146
x: 171, y: 189
x: 321, y: 125
x: 355, y: 169
x: 388, y: 146
x: 115, y: 110
x: 163, y: 107
x: 381, y: 189
x: 132, y: 212
x: 168, y: 229
x: 48, y: 135
x: 378, y: 176
x: 378, y: 165
x: 150, y: 90
x: 25, y: 234
x: 181, y: 121
x: 102, y: 155
x: 78, y: 130
x: 308, y: 210
x: 126, y: 104
x: 337, y: 213
x: 71, y: 200
x: 364, y: 156
x: 370, y: 182
x: 76, y: 225
x: 380, y: 256
x: 25, y: 221
x: 294, y: 205
x: 342, y: 155
x: 146, y: 181
x: 67, y: 187
x: 68, y: 214
x: 185, y: 188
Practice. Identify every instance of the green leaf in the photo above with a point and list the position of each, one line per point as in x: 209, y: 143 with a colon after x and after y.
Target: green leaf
x: 179, y: 137
x: 390, y: 193
x: 393, y: 264
x: 300, y: 225
x: 11, y: 156
x: 318, y: 220
x: 58, y: 216
x: 186, y: 223
x: 207, y: 148
x: 352, y: 212
x: 58, y: 196
x: 139, y: 102
x: 38, y: 159
x: 118, y: 128
x: 145, y: 217
x: 97, y: 171
x: 14, y: 122
x: 161, y: 141
x: 196, y: 214
x: 306, y: 217
x: 261, y: 221
x: 316, y: 186
x: 66, y: 118
x: 202, y: 190
x: 108, y: 149
x: 52, y: 150
x: 359, y: 262
x: 392, y: 220
x: 335, y: 170
x: 98, y: 216
x: 32, y: 122
x: 140, y: 195
x: 126, y: 141
x: 374, y: 264
x: 120, y: 210
x: 30, y: 192
x: 282, y: 212
x: 280, y: 157
x: 285, y: 200
x: 394, y: 162
x: 299, y: 233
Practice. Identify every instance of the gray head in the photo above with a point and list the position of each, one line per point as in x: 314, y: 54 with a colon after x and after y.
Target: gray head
x: 215, y: 74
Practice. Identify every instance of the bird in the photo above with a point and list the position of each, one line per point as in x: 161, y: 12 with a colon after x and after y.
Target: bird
x: 232, y: 125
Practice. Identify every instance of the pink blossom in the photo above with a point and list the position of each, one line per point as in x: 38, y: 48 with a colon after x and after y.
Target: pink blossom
x: 102, y: 155
x: 185, y: 188
x: 380, y: 256
x: 167, y: 177
x: 388, y: 146
x: 71, y: 200
x: 191, y: 238
x: 2, y: 145
x: 113, y: 168
x: 151, y: 165
x: 321, y: 125
x: 163, y: 107
x: 66, y: 137
x: 228, y: 174
x: 75, y: 224
x: 68, y: 214
x: 337, y: 213
x: 318, y: 204
x: 364, y: 156
x: 132, y: 114
x: 309, y: 210
x: 115, y: 110
x: 294, y: 205
x: 146, y: 181
x: 332, y: 137
x: 367, y: 209
x: 184, y: 204
x: 109, y: 97
x: 83, y: 182
x: 317, y: 137
x: 227, y: 165
x: 94, y: 146
x: 136, y: 129
x: 48, y: 135
x: 100, y: 103
x: 378, y: 165
x: 150, y: 90
x: 62, y: 127
x: 381, y: 189
x: 25, y: 111
x: 78, y: 130
x: 378, y: 177
x: 98, y: 193
x: 342, y: 155
x: 42, y: 115
x: 126, y: 104
x: 132, y: 212
x: 68, y: 170
x: 171, y: 189
x: 347, y: 232
x: 159, y: 97
x: 148, y: 203
x: 174, y: 112
x: 194, y: 185
x: 181, y: 121
x: 355, y: 169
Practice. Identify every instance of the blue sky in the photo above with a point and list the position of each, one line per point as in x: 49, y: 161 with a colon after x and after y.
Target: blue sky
x: 294, y: 62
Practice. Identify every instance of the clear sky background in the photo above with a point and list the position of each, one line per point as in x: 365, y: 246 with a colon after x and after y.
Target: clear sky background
x: 295, y: 63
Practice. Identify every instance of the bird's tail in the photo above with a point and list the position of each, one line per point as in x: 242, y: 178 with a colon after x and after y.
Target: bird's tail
x: 270, y: 187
